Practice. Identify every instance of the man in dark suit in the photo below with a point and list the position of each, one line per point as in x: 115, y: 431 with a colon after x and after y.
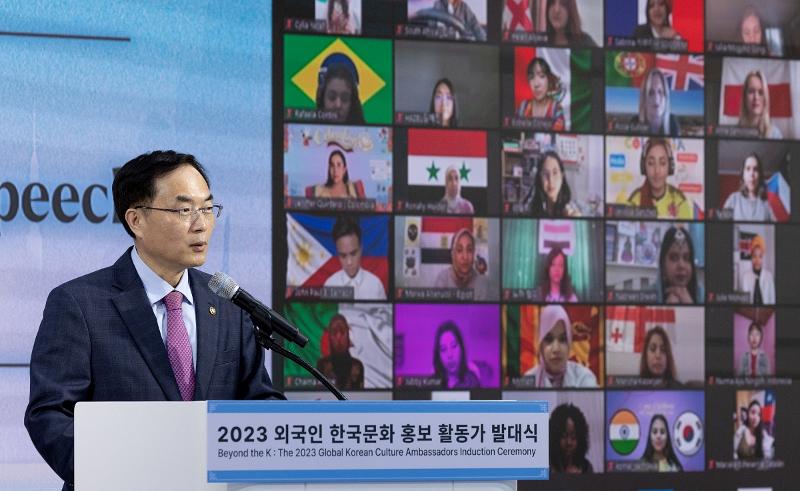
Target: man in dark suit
x: 147, y: 328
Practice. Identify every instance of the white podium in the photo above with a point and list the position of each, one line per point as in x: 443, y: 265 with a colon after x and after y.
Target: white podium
x: 115, y: 445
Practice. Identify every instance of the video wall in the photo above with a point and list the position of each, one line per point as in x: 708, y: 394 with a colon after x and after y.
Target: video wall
x: 581, y: 201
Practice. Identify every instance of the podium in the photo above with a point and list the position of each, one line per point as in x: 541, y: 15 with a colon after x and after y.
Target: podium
x: 163, y: 445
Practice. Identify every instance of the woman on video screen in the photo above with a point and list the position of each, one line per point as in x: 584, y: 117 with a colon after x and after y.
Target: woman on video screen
x: 657, y: 13
x: 657, y: 164
x: 659, y: 446
x: 338, y: 183
x: 678, y: 278
x: 337, y: 90
x: 749, y: 202
x: 452, y: 194
x: 341, y: 20
x: 757, y: 281
x: 654, y: 105
x: 564, y: 25
x: 569, y: 441
x: 450, y: 363
x: 754, y: 106
x: 754, y: 362
x: 751, y: 441
x: 551, y: 192
x: 443, y: 104
x: 547, y: 94
x: 462, y: 273
x: 751, y: 28
x: 656, y: 361
x: 556, y: 285
x: 555, y: 369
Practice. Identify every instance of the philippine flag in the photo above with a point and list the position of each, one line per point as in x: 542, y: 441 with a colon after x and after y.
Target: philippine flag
x: 312, y: 250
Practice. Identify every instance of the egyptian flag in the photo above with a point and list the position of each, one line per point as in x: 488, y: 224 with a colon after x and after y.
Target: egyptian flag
x: 780, y: 76
x: 370, y: 338
x: 627, y: 326
x: 432, y: 151
x: 622, y: 17
x: 312, y: 250
x: 435, y: 241
x: 779, y: 196
x: 304, y: 55
x: 573, y: 68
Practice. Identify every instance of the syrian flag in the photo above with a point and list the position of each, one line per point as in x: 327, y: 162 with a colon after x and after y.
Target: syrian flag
x: 779, y: 196
x: 627, y: 326
x: 623, y: 432
x: 370, y: 338
x: 432, y: 152
x: 312, y: 251
x: 780, y: 76
x: 572, y: 67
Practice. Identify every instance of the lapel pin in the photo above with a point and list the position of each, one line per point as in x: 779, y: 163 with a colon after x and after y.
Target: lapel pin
x: 212, y: 310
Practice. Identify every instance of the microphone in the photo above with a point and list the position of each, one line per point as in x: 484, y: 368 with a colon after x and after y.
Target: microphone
x: 224, y: 286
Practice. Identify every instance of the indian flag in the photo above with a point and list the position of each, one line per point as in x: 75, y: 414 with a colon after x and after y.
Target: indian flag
x: 371, y: 338
x: 623, y: 432
x: 572, y: 67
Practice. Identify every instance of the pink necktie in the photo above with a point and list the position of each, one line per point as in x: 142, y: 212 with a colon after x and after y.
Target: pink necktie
x: 179, y: 349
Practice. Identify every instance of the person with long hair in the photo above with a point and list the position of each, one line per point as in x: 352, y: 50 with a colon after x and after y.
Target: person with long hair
x: 450, y: 359
x: 657, y: 164
x: 443, y: 104
x: 338, y: 183
x: 751, y: 27
x: 754, y: 362
x: 551, y: 192
x: 654, y: 105
x: 554, y: 368
x: 337, y: 89
x: 461, y: 273
x: 564, y: 25
x: 657, y: 13
x: 547, y: 92
x: 452, y: 194
x: 569, y: 441
x: 657, y: 361
x: 341, y: 19
x: 460, y: 10
x: 345, y: 371
x: 749, y: 202
x: 751, y: 440
x: 677, y: 274
x: 758, y: 281
x: 659, y: 446
x: 754, y: 106
x: 555, y: 284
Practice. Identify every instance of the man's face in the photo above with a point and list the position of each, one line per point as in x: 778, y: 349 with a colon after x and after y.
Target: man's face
x: 166, y: 241
x: 348, y: 248
x: 339, y: 337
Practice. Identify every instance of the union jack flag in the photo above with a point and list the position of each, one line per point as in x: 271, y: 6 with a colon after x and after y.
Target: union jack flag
x: 683, y: 72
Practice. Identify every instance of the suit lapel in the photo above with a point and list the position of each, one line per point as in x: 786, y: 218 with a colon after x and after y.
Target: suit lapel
x: 134, y: 308
x: 207, y: 332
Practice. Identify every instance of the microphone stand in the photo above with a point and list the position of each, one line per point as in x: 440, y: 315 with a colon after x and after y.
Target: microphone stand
x: 264, y: 339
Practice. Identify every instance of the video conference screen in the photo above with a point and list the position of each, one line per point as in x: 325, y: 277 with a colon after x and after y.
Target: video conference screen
x: 587, y: 202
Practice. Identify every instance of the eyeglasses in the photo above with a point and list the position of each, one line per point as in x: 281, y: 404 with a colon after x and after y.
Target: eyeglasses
x: 188, y: 214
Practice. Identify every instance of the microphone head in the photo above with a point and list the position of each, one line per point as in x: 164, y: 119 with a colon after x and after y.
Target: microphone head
x: 223, y: 285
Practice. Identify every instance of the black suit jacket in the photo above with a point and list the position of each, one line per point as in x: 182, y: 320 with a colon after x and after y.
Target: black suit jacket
x: 99, y: 341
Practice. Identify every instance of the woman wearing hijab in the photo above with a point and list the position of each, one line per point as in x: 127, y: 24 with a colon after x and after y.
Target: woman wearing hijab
x: 462, y: 273
x: 456, y: 205
x: 555, y: 369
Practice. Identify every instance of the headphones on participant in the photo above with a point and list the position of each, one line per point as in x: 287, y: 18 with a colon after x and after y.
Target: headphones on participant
x: 646, y: 149
x: 336, y: 60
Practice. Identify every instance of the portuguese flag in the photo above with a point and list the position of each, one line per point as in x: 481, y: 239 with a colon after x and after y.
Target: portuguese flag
x: 303, y: 56
x: 573, y: 68
x: 623, y: 432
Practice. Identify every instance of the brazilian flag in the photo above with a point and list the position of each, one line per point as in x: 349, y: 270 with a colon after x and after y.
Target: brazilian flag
x: 303, y: 56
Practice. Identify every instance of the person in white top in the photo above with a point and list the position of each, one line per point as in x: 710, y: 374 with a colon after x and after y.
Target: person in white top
x: 749, y: 202
x: 365, y: 285
x: 758, y: 281
x: 555, y: 369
